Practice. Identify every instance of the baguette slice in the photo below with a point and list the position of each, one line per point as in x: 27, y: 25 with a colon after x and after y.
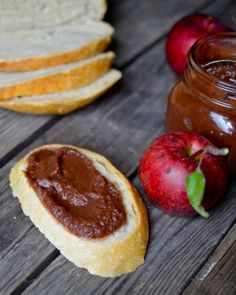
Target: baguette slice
x: 120, y: 252
x: 38, y: 49
x: 63, y: 102
x: 27, y: 14
x: 59, y: 78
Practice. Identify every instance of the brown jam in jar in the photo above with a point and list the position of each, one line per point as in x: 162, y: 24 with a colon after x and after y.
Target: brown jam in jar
x: 224, y: 70
x: 204, y: 101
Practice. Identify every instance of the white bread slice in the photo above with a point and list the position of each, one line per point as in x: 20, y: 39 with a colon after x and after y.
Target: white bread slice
x: 27, y: 14
x: 120, y: 252
x: 59, y: 78
x: 63, y: 102
x: 47, y: 47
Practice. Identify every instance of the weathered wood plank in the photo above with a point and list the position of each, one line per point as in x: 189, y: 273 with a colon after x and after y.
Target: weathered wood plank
x: 15, y: 128
x: 135, y: 30
x: 177, y: 247
x: 13, y: 224
x: 218, y: 276
x: 18, y: 255
x: 137, y: 23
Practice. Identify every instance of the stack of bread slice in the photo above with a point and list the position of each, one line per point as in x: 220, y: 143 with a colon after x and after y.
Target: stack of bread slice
x: 56, y: 69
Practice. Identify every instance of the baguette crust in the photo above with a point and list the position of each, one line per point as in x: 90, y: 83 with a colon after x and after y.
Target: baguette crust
x: 42, y: 62
x: 57, y: 106
x: 60, y: 81
x: 119, y: 253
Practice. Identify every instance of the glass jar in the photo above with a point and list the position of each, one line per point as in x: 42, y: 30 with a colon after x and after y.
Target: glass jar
x: 204, y: 101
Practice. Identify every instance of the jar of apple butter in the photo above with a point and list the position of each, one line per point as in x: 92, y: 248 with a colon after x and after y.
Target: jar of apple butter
x: 204, y: 101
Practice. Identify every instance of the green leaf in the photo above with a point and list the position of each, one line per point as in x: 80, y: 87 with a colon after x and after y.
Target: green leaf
x: 195, y: 187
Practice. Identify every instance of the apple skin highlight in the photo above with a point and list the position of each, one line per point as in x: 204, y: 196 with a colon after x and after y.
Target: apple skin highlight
x: 168, y: 161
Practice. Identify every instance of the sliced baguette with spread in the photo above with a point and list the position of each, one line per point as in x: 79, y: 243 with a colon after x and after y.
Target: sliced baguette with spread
x: 120, y: 251
x: 27, y: 14
x: 59, y: 78
x: 63, y: 102
x: 36, y: 49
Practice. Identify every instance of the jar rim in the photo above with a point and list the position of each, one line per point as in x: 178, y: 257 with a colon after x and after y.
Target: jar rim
x: 197, y: 67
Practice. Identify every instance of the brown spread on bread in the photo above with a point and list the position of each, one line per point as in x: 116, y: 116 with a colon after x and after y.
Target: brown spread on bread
x: 75, y: 193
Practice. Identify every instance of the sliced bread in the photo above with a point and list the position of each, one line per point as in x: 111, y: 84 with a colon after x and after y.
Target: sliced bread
x: 36, y: 49
x: 119, y: 252
x: 54, y: 79
x: 27, y: 14
x: 63, y: 102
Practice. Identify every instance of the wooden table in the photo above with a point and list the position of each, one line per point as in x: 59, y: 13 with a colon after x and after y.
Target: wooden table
x: 184, y: 256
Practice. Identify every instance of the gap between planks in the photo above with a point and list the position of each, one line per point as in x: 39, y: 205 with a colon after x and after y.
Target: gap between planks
x: 208, y: 277
x: 202, y: 265
x: 43, y: 265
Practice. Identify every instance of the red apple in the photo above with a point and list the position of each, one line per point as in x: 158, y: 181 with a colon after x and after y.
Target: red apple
x: 184, y: 33
x: 167, y: 163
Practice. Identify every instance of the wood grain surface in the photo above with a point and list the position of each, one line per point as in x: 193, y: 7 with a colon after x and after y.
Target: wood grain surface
x: 218, y: 275
x: 120, y: 125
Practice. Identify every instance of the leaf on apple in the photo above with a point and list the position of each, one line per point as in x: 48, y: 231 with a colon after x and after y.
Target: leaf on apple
x: 195, y: 187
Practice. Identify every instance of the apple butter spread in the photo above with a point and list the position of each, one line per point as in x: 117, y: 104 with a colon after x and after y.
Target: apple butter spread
x: 204, y: 101
x: 75, y: 193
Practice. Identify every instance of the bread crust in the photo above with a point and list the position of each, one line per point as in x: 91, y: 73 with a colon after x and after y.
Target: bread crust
x: 42, y: 62
x: 60, y: 81
x: 61, y: 107
x: 104, y: 8
x: 119, y: 253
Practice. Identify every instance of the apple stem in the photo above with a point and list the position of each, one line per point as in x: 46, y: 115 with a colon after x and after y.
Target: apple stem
x: 209, y: 150
x: 198, y: 153
x: 200, y: 162
x: 212, y: 151
x: 215, y: 151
